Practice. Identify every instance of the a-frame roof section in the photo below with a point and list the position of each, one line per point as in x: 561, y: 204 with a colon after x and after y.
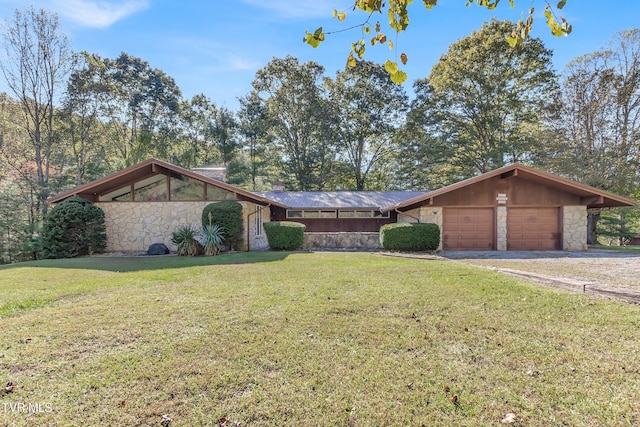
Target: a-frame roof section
x: 93, y: 190
x: 589, y: 196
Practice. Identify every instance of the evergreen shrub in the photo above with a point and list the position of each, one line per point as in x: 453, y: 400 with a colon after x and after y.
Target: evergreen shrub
x: 284, y: 235
x: 74, y: 227
x: 228, y: 216
x: 410, y: 237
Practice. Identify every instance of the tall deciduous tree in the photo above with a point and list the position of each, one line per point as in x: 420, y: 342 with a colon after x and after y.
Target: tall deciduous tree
x: 596, y: 126
x: 484, y: 100
x: 253, y: 125
x: 81, y: 115
x: 143, y: 109
x: 36, y: 63
x: 369, y: 109
x: 300, y: 119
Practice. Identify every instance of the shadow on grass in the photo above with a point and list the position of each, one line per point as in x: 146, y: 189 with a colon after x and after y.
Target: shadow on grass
x: 138, y: 263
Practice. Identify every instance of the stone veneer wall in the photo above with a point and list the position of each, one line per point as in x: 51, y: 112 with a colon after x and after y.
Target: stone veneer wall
x: 133, y: 227
x: 574, y: 228
x: 424, y: 215
x: 344, y: 240
x: 256, y: 216
x: 501, y: 228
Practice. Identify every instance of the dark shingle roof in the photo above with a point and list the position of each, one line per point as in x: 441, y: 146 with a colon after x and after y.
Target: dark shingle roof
x: 340, y: 199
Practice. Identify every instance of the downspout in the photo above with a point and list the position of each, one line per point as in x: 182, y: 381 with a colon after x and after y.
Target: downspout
x: 249, y: 222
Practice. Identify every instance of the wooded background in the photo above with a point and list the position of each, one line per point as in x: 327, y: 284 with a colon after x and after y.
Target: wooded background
x: 72, y: 117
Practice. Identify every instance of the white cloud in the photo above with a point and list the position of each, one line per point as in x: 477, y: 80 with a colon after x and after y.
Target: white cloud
x: 298, y: 8
x: 98, y: 13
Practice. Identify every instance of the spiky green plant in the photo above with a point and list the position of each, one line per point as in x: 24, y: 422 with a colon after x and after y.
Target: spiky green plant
x: 210, y: 238
x: 185, y: 239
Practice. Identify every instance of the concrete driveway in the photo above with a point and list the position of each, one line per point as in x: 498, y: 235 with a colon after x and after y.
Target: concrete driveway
x: 608, y: 273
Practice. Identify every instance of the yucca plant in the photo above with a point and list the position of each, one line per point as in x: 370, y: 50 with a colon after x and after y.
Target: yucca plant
x: 210, y: 238
x: 185, y: 239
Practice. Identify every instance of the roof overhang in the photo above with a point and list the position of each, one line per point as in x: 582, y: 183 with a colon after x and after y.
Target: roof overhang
x: 589, y: 196
x: 147, y: 169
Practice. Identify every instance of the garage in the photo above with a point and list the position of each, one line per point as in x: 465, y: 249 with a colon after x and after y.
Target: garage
x: 468, y: 229
x: 533, y: 229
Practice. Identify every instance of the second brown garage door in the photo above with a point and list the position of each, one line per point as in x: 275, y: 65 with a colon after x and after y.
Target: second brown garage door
x: 533, y: 229
x: 468, y: 229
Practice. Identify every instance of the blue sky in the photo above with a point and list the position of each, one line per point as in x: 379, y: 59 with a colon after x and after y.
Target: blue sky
x: 215, y: 47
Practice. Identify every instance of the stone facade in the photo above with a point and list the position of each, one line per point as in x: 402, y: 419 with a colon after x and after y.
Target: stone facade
x: 424, y: 215
x: 346, y: 241
x: 501, y: 228
x: 574, y: 228
x: 134, y: 226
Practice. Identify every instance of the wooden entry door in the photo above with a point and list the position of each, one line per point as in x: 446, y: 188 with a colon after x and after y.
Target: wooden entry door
x: 468, y: 229
x: 533, y: 229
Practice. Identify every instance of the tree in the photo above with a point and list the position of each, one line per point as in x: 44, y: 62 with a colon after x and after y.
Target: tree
x: 484, y: 101
x: 81, y: 113
x: 398, y: 21
x: 223, y: 134
x: 142, y: 111
x: 595, y: 131
x: 37, y: 60
x: 253, y: 126
x: 369, y: 109
x: 199, y: 116
x: 300, y: 119
x: 74, y: 227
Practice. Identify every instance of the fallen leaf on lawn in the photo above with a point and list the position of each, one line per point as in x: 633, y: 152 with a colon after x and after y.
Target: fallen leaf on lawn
x: 509, y: 419
x: 9, y: 388
x: 454, y: 399
x: 166, y: 420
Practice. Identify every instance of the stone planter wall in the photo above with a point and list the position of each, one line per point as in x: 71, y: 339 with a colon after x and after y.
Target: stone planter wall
x: 346, y: 241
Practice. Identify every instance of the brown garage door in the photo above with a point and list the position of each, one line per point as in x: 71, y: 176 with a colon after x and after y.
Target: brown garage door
x: 533, y: 229
x: 468, y: 229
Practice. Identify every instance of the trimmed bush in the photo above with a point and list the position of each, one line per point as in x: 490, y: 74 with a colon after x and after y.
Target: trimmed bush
x: 74, y: 227
x: 284, y: 235
x: 228, y: 216
x: 410, y: 237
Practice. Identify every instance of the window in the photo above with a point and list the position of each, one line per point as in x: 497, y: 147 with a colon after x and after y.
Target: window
x: 258, y: 221
x: 185, y: 188
x: 217, y: 193
x: 151, y: 190
x: 311, y: 214
x: 294, y: 214
x: 363, y: 214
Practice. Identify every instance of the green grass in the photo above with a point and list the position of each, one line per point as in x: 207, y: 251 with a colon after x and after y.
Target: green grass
x: 309, y: 339
x: 632, y: 249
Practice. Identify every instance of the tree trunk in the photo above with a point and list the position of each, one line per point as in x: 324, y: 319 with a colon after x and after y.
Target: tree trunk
x: 593, y: 216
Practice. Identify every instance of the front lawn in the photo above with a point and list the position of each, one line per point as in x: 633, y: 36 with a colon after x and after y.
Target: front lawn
x: 308, y: 339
